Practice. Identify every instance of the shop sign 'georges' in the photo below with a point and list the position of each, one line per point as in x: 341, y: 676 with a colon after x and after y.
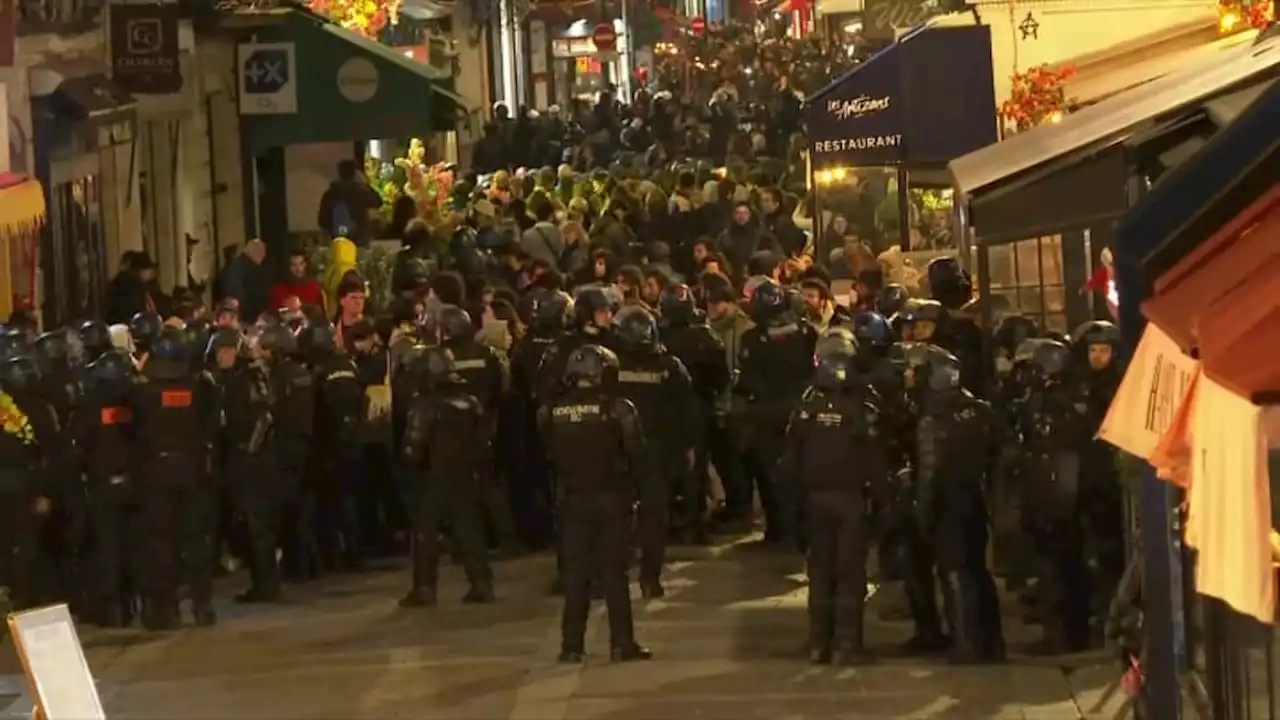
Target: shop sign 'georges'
x: 855, y: 108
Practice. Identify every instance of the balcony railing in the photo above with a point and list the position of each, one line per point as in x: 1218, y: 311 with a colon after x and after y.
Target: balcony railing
x: 62, y: 17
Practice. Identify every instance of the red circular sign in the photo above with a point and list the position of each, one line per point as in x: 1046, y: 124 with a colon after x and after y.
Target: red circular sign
x: 605, y: 37
x: 698, y: 24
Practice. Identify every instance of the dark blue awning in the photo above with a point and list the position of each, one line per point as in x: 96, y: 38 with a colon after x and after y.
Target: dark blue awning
x: 924, y: 100
x: 1238, y: 165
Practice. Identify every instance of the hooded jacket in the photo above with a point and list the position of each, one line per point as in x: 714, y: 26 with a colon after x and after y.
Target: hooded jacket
x: 342, y: 260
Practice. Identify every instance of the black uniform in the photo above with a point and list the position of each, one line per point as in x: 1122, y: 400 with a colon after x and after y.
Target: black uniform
x: 657, y: 383
x: 104, y: 431
x: 26, y: 489
x: 484, y: 374
x: 293, y: 415
x: 337, y: 468
x: 598, y: 452
x: 173, y: 429
x: 1054, y: 430
x: 687, y: 336
x: 446, y: 447
x: 835, y: 451
x: 956, y: 444
x: 775, y: 362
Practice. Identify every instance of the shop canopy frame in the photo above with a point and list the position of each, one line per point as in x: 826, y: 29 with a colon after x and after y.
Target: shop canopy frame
x: 1074, y: 179
x: 411, y: 99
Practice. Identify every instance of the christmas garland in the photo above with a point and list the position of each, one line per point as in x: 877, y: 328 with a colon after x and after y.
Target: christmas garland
x: 362, y: 17
x: 1236, y: 15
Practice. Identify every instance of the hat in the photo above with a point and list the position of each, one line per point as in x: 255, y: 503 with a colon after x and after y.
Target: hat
x: 485, y: 208
x: 141, y: 261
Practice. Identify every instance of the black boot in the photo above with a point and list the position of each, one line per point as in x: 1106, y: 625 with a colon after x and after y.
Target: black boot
x: 820, y: 654
x: 203, y: 615
x: 481, y: 592
x: 423, y: 596
x: 961, y: 600
x: 571, y: 656
x: 652, y: 590
x: 630, y: 652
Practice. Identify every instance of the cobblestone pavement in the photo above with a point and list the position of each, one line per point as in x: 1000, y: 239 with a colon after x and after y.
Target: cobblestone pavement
x: 728, y: 642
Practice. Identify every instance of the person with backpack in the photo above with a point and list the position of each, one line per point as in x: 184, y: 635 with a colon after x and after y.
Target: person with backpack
x: 348, y: 204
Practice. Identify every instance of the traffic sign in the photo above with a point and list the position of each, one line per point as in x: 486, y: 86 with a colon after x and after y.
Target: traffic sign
x: 698, y: 25
x: 268, y: 82
x: 605, y: 37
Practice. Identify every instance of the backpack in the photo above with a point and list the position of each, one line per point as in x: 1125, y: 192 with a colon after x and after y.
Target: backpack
x: 341, y: 222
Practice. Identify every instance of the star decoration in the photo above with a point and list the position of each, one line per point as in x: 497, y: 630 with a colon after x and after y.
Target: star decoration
x: 1029, y: 28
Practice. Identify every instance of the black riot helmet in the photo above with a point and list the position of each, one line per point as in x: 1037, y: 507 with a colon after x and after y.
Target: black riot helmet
x: 278, y: 340
x: 13, y: 343
x: 19, y: 375
x: 949, y: 283
x: 455, y: 324
x: 52, y: 351
x: 144, y: 329
x: 872, y: 330
x: 677, y: 304
x: 95, y: 336
x: 223, y: 337
x: 588, y: 365
x: 317, y: 340
x: 795, y: 303
x: 925, y: 319
x: 171, y: 345
x: 1013, y: 331
x: 891, y: 299
x: 768, y: 302
x: 940, y: 372
x: 112, y: 369
x: 916, y: 357
x: 552, y: 311
x: 636, y: 328
x: 1096, y: 332
x: 1049, y: 358
x: 835, y: 342
x: 589, y: 301
x: 438, y: 366
x: 834, y: 372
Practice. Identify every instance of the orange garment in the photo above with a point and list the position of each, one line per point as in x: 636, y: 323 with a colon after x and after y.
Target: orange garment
x: 1172, y: 455
x: 1229, y: 501
x: 1149, y: 396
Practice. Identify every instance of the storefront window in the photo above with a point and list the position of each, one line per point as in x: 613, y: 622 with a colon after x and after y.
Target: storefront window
x: 75, y: 269
x: 861, y: 206
x: 1027, y: 277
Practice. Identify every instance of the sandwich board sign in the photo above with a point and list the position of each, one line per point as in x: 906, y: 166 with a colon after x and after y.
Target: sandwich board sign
x: 53, y: 662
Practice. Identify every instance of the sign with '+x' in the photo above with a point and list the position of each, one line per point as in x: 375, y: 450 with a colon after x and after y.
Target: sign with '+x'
x: 268, y: 78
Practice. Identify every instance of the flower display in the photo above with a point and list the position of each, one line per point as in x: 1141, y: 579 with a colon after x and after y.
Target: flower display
x: 1036, y: 96
x: 16, y: 422
x: 363, y: 17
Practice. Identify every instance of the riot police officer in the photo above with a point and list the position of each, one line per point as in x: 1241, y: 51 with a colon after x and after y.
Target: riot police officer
x: 775, y: 362
x: 834, y: 451
x: 446, y: 447
x: 592, y: 324
x: 956, y: 444
x: 144, y: 329
x: 657, y: 383
x: 598, y: 452
x: 686, y: 335
x: 337, y: 449
x: 294, y: 419
x: 484, y: 374
x: 95, y: 338
x: 104, y: 430
x: 173, y: 428
x: 252, y: 470
x: 547, y: 313
x: 26, y: 493
x: 1053, y: 429
x: 1096, y: 345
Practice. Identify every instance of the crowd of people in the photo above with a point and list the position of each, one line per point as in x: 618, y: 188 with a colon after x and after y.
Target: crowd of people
x: 489, y: 401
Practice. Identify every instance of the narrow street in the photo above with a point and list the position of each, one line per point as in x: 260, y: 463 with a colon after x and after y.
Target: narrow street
x: 728, y: 641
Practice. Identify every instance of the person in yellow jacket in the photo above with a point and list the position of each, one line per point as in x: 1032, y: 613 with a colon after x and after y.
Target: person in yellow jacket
x: 342, y: 260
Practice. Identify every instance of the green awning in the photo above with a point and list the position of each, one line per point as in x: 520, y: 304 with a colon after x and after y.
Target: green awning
x: 351, y: 88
